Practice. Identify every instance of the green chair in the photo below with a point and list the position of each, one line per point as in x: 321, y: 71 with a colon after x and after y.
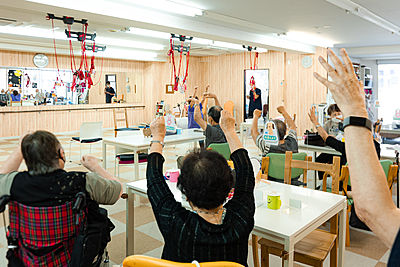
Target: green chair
x: 222, y: 148
x: 273, y: 165
x: 390, y: 171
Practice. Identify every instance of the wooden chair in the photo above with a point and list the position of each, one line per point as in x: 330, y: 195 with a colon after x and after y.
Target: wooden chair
x: 16, y: 103
x: 274, y: 164
x: 315, y: 247
x: 145, y: 261
x: 124, y: 119
x: 390, y: 172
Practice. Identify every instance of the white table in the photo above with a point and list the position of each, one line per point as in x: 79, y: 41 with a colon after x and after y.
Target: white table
x: 318, y: 149
x: 138, y: 142
x: 388, y: 129
x: 285, y: 228
x: 248, y: 125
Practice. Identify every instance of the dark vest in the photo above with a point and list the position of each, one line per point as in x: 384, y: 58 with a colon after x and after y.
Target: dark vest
x: 52, y: 189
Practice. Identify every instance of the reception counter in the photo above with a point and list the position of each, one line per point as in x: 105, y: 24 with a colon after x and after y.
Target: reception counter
x: 64, y: 118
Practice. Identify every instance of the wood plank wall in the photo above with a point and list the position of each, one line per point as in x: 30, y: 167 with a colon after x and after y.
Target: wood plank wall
x: 291, y: 85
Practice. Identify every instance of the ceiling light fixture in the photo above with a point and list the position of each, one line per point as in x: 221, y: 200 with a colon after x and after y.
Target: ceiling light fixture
x: 168, y: 6
x: 149, y: 33
x: 128, y: 43
x: 307, y: 38
x: 356, y: 9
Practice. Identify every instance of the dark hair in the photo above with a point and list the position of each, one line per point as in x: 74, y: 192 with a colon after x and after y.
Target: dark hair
x: 281, y: 126
x: 215, y: 113
x: 108, y: 82
x: 15, y: 92
x: 333, y: 108
x: 41, y: 151
x: 205, y: 178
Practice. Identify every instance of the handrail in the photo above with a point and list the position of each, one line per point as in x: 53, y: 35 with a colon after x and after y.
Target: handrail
x: 68, y: 109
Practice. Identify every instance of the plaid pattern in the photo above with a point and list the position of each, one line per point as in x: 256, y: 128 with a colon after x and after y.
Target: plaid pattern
x: 3, y: 97
x: 46, y: 235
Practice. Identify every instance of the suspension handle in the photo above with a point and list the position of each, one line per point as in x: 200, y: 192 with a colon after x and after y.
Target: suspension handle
x: 79, y: 203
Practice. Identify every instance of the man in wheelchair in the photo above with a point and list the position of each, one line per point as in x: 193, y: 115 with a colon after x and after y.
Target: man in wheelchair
x: 55, y: 219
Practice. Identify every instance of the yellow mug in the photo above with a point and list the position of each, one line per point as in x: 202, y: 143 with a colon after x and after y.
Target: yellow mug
x: 274, y: 201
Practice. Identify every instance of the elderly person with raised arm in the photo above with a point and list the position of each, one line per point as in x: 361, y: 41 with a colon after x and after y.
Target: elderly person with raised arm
x: 211, y: 230
x: 375, y: 205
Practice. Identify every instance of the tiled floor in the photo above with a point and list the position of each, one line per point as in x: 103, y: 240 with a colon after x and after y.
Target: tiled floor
x: 366, y: 249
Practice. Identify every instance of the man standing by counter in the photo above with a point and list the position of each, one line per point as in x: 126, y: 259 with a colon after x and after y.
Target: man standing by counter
x: 109, y: 91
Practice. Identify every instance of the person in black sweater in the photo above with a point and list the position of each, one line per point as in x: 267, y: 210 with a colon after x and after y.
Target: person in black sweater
x: 333, y: 142
x: 211, y: 231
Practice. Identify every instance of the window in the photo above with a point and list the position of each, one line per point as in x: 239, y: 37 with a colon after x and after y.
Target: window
x: 388, y: 91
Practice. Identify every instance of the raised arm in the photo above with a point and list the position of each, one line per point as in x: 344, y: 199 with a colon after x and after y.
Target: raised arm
x: 214, y: 96
x: 254, y: 125
x: 228, y: 126
x: 288, y: 118
x: 375, y: 205
x: 15, y: 159
x: 197, y: 115
x: 314, y: 121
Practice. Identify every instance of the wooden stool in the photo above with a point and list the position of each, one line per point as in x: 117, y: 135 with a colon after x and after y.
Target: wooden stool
x: 311, y: 250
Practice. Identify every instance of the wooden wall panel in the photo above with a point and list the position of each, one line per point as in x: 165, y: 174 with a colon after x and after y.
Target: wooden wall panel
x: 291, y: 85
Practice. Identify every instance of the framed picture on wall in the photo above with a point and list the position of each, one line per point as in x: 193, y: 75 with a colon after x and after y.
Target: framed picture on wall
x: 169, y: 89
x: 256, y: 92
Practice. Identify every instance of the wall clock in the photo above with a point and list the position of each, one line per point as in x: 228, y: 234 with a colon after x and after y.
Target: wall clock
x: 306, y: 62
x: 41, y: 60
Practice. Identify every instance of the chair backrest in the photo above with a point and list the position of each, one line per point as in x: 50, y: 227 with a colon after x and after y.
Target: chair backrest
x: 145, y: 261
x: 117, y: 119
x: 332, y: 169
x: 265, y: 110
x: 16, y: 103
x: 389, y: 169
x: 222, y: 148
x: 273, y: 164
x: 182, y: 122
x: 228, y: 106
x: 121, y: 97
x: 91, y: 130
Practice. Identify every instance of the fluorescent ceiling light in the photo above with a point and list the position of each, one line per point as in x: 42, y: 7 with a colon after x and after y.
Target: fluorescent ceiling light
x: 149, y: 33
x: 364, y: 13
x: 127, y: 54
x: 127, y: 43
x: 168, y: 6
x: 228, y: 45
x: 306, y: 38
x: 33, y: 32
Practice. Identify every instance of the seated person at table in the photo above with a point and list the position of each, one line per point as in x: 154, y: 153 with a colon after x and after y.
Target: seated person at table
x: 212, y: 129
x: 334, y: 143
x: 15, y: 96
x: 369, y: 184
x: 210, y: 231
x: 332, y: 125
x: 286, y: 143
x: 47, y: 184
x: 3, y: 98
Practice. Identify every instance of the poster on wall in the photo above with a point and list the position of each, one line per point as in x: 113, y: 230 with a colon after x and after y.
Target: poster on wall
x: 14, y: 78
x: 256, y: 92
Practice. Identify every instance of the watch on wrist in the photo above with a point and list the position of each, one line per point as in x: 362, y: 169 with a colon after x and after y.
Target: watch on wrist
x: 194, y: 106
x: 317, y: 125
x: 357, y: 121
x: 156, y: 141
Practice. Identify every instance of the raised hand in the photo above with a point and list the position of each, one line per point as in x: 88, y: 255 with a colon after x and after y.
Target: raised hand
x: 312, y: 116
x: 158, y: 129
x: 227, y: 121
x: 281, y: 109
x: 257, y: 113
x: 347, y: 91
x: 89, y: 162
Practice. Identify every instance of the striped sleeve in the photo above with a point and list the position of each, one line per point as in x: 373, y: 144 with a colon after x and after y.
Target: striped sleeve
x: 260, y: 143
x: 293, y: 134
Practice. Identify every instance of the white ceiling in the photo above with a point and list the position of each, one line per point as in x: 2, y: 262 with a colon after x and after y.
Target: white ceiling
x: 251, y: 22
